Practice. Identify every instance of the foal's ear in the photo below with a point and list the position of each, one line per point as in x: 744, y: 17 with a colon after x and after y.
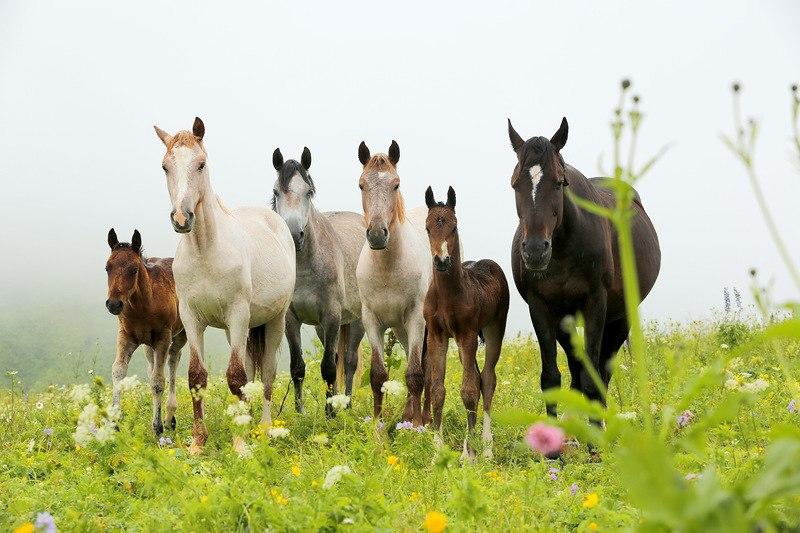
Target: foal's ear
x: 430, y: 201
x: 136, y: 241
x: 513, y: 136
x: 277, y: 159
x: 451, y: 198
x: 559, y: 139
x: 165, y: 137
x: 198, y: 128
x: 305, y: 159
x: 363, y: 153
x: 394, y: 153
x: 112, y: 239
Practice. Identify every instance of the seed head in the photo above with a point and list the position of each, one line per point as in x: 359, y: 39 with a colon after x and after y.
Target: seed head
x: 736, y: 87
x: 626, y: 83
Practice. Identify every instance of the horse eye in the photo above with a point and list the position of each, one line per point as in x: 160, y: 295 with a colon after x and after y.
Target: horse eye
x: 133, y: 271
x: 360, y: 186
x: 164, y: 167
x: 201, y: 166
x: 309, y: 194
x: 397, y: 186
x: 108, y: 268
x: 275, y: 192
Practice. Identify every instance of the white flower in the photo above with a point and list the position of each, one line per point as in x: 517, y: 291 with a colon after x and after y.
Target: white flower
x: 240, y: 412
x: 392, y: 387
x: 278, y: 433
x: 348, y: 521
x: 113, y: 412
x: 83, y: 436
x: 756, y: 386
x: 724, y: 346
x: 630, y: 415
x: 253, y: 390
x: 242, y: 420
x: 691, y: 476
x: 31, y: 444
x: 653, y: 408
x: 128, y: 383
x: 39, y: 405
x: 732, y: 384
x: 321, y: 439
x: 106, y: 431
x: 80, y: 393
x: 243, y: 449
x: 335, y: 474
x: 340, y: 401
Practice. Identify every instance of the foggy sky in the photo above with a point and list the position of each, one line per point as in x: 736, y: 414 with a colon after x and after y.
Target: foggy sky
x: 83, y: 83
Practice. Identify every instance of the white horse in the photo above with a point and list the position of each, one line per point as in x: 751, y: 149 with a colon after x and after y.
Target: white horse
x: 393, y: 273
x: 234, y: 270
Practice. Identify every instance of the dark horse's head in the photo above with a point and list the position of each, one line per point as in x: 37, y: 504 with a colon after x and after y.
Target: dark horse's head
x: 538, y: 181
x: 293, y: 192
x: 442, y: 228
x: 123, y: 270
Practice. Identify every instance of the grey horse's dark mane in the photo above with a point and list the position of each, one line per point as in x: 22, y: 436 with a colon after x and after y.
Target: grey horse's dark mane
x: 289, y: 169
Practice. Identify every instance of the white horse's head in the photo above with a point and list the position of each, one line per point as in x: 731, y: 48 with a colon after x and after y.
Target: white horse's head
x: 187, y: 173
x: 380, y: 194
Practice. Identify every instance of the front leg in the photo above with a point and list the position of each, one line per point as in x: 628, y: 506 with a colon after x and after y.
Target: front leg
x: 198, y: 375
x: 119, y: 369
x: 297, y: 366
x: 415, y: 328
x: 238, y: 332
x: 545, y: 328
x: 435, y: 370
x: 470, y: 388
x: 157, y: 380
x: 377, y: 370
x: 330, y: 332
x: 594, y: 314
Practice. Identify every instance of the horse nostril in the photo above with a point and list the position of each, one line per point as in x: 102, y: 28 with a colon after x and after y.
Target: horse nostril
x: 302, y: 234
x: 546, y: 245
x: 385, y: 232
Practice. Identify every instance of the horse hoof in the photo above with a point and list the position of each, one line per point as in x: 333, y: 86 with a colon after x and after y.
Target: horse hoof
x: 195, y: 449
x: 553, y: 456
x: 173, y: 423
x: 488, y: 454
x: 468, y: 456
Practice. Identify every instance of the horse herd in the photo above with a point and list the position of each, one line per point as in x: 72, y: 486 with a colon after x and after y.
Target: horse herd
x: 259, y: 273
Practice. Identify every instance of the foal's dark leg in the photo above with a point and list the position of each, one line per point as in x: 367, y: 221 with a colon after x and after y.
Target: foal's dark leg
x: 330, y: 338
x: 297, y: 366
x: 545, y: 328
x: 470, y: 387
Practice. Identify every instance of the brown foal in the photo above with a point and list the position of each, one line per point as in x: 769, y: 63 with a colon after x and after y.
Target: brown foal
x: 141, y: 292
x: 465, y: 301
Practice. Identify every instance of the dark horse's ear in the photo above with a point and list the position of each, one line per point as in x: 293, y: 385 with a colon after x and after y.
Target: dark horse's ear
x: 198, y: 128
x: 430, y: 201
x: 112, y: 239
x: 305, y: 159
x: 513, y: 136
x: 559, y: 139
x: 363, y: 153
x: 136, y: 241
x: 451, y: 198
x: 277, y: 159
x: 394, y: 153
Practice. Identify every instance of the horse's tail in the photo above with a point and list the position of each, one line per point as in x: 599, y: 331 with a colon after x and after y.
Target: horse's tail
x: 256, y: 344
x: 341, y: 351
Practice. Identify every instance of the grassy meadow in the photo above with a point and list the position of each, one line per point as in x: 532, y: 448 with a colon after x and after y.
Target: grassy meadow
x: 723, y: 374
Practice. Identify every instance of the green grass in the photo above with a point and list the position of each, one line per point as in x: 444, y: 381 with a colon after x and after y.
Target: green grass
x: 131, y: 483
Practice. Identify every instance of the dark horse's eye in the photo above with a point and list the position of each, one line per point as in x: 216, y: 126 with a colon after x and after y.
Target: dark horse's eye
x: 133, y: 271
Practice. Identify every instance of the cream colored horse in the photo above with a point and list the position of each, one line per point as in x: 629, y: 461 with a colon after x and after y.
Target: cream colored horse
x: 234, y: 270
x: 393, y: 273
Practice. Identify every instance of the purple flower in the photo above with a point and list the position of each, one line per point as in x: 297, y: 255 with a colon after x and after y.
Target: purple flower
x: 545, y: 439
x: 405, y: 425
x: 553, y: 472
x: 165, y: 441
x: 685, y: 418
x: 46, y: 522
x: 792, y: 407
x: 48, y: 432
x: 573, y: 489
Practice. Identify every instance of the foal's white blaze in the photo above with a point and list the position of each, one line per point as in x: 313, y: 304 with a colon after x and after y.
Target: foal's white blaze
x: 444, y: 254
x: 536, y: 175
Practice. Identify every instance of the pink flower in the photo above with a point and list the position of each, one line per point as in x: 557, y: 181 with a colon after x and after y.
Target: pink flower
x: 545, y: 439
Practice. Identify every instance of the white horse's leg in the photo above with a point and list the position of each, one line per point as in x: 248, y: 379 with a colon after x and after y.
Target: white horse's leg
x: 377, y: 371
x: 174, y: 358
x: 198, y: 375
x: 238, y: 331
x: 157, y: 381
x: 269, y: 363
x: 119, y: 369
x: 415, y: 380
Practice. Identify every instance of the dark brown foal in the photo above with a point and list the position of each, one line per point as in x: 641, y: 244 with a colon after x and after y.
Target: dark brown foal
x: 465, y: 301
x: 141, y: 292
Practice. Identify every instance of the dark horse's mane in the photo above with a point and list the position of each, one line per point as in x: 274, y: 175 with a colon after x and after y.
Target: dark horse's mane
x: 288, y: 170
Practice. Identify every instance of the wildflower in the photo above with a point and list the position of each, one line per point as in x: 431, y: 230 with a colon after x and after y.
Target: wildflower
x: 553, y: 473
x: 626, y: 83
x: 204, y: 498
x: 321, y: 439
x: 792, y: 407
x: 493, y: 475
x: 545, y: 439
x: 692, y: 476
x: 31, y: 444
x: 435, y: 522
x: 724, y: 346
x: 106, y: 431
x: 630, y: 415
x: 653, y: 408
x: 591, y: 500
x: 45, y: 522
x: 393, y: 460
x: 253, y: 390
x: 48, y: 432
x: 736, y: 88
x: 573, y: 489
x: 392, y: 387
x: 414, y: 496
x: 685, y: 418
x: 129, y: 383
x: 39, y: 405
x: 407, y: 424
x: 339, y: 401
x: 592, y: 526
x: 27, y: 527
x: 732, y: 383
x: 295, y: 471
x: 348, y: 521
x: 335, y: 474
x: 243, y: 449
x: 278, y: 497
x: 113, y: 412
x: 80, y: 393
x: 367, y: 419
x: 754, y: 387
x: 278, y: 433
x: 164, y: 441
x: 240, y: 412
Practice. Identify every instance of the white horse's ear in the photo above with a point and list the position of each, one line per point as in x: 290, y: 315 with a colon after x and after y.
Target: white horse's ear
x: 198, y: 128
x: 305, y: 159
x: 165, y: 137
x: 363, y: 153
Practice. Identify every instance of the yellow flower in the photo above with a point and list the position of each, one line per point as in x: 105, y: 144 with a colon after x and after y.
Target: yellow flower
x: 435, y: 522
x: 592, y: 526
x: 203, y: 499
x: 393, y: 460
x: 278, y: 423
x: 27, y: 527
x: 314, y: 482
x: 591, y: 500
x: 414, y: 496
x: 296, y: 471
x: 278, y: 497
x: 493, y: 475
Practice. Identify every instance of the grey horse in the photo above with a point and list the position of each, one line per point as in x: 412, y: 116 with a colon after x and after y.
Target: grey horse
x: 326, y: 293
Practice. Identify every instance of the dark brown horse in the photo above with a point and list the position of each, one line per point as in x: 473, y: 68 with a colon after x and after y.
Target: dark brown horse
x: 141, y: 292
x: 566, y: 260
x: 464, y: 301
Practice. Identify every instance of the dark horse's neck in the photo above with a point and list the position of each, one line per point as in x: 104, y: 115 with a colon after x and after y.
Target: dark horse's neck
x: 572, y: 215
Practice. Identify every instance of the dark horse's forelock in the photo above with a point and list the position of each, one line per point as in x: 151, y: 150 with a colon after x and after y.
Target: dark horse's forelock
x: 288, y: 170
x: 122, y: 245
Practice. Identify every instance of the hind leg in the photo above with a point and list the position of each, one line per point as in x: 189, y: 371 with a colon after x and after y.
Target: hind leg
x: 614, y: 336
x: 174, y: 358
x: 377, y: 370
x: 351, y: 355
x: 575, y: 366
x: 269, y: 362
x: 330, y: 332
x: 157, y: 381
x: 297, y: 366
x: 493, y: 335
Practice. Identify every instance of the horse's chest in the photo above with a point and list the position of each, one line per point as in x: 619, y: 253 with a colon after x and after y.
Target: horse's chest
x: 389, y: 297
x: 306, y: 304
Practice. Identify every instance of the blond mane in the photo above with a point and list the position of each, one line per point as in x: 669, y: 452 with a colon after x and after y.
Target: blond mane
x: 185, y: 138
